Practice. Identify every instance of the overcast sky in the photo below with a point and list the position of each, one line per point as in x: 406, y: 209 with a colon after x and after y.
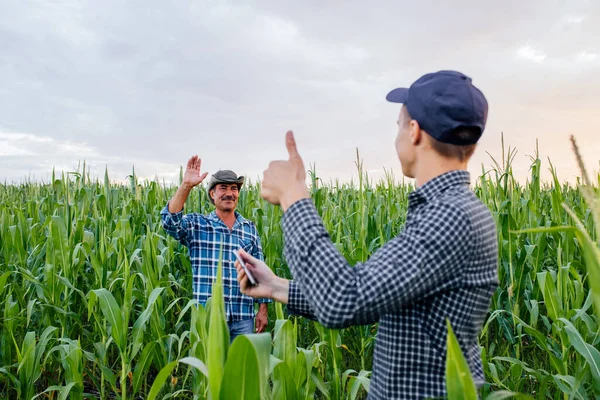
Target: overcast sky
x: 149, y: 83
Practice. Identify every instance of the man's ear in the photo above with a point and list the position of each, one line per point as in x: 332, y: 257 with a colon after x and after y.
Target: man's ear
x: 415, y: 132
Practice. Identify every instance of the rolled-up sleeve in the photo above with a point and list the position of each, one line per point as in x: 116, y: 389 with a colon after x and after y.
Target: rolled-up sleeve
x: 177, y: 225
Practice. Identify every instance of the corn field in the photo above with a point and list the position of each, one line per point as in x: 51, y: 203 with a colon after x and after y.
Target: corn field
x: 95, y: 298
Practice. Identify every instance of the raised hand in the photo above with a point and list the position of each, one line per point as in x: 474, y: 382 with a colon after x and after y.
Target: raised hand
x: 192, y: 175
x: 284, y: 181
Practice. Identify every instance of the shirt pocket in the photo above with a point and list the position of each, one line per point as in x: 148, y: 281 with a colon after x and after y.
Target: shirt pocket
x: 246, y: 244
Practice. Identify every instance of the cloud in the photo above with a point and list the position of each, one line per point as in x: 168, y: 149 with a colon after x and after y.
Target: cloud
x: 8, y: 149
x: 574, y: 19
x: 122, y: 83
x: 30, y: 144
x: 531, y: 54
x: 28, y: 155
x: 587, y: 57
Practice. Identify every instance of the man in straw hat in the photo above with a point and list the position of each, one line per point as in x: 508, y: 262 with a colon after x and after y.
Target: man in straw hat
x: 210, y: 237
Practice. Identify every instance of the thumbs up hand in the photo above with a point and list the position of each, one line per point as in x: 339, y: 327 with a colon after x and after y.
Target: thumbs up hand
x: 284, y: 182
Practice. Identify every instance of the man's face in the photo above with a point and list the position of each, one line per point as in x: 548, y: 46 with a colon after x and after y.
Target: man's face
x: 404, y: 144
x: 225, y: 196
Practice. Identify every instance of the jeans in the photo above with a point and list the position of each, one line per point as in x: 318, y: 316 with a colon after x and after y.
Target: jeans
x: 242, y: 327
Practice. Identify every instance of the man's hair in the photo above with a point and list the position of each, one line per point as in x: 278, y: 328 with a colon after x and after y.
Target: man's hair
x: 449, y: 150
x: 462, y: 152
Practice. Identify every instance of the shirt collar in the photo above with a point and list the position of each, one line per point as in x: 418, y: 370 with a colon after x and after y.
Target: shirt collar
x: 434, y: 187
x: 238, y: 218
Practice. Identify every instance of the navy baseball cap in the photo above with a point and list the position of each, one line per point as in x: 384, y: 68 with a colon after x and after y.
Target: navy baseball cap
x: 442, y: 102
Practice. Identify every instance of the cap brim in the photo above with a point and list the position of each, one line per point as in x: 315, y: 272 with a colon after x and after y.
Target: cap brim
x: 399, y: 95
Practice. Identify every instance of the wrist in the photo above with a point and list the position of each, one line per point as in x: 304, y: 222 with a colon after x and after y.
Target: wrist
x: 280, y: 290
x: 186, y: 187
x: 298, y: 192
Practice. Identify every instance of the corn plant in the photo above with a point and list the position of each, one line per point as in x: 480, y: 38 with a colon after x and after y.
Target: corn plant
x: 96, y: 301
x: 246, y: 363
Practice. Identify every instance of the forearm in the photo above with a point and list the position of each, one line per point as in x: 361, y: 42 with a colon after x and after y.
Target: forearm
x: 412, y: 266
x: 294, y: 194
x: 178, y: 200
x: 323, y: 276
x: 280, y: 290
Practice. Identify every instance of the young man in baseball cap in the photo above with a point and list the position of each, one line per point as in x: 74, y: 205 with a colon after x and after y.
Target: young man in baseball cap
x: 442, y: 265
x: 223, y: 230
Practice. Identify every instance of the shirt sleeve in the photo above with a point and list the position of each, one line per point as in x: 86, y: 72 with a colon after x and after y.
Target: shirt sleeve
x: 257, y: 252
x: 177, y: 225
x: 423, y: 259
x: 297, y: 303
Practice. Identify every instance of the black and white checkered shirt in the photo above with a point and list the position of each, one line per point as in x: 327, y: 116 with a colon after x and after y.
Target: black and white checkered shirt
x: 442, y: 265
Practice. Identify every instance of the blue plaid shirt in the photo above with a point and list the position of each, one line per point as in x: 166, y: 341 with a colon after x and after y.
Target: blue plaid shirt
x: 203, y: 235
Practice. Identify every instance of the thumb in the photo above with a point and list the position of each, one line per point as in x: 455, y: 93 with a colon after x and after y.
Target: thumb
x: 290, y: 143
x: 247, y: 257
